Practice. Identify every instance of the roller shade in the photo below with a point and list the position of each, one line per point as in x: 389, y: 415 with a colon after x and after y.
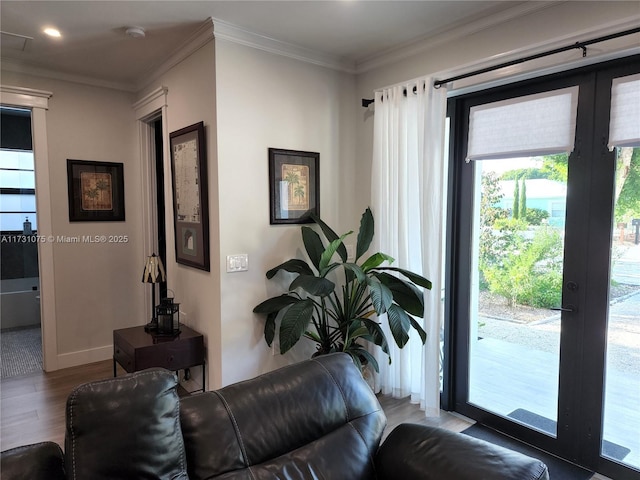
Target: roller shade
x: 624, y: 127
x: 539, y: 124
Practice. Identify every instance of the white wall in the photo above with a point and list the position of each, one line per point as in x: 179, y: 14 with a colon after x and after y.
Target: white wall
x: 542, y: 25
x: 191, y: 99
x: 95, y: 283
x: 265, y: 100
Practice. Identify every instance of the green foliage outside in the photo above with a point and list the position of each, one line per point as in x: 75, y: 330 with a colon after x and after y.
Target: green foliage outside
x: 524, y: 271
x: 515, y: 211
x: 530, y: 273
x: 628, y: 202
x: 535, y: 216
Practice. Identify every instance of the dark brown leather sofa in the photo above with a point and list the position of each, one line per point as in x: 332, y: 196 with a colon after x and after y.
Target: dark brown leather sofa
x: 317, y: 419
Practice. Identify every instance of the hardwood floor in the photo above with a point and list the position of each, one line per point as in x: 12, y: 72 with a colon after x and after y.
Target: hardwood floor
x: 32, y: 407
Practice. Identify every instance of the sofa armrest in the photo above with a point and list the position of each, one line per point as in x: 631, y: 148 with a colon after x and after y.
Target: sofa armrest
x: 39, y: 461
x: 420, y: 452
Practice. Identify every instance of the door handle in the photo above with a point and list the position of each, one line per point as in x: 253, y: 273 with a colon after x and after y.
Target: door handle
x: 568, y: 308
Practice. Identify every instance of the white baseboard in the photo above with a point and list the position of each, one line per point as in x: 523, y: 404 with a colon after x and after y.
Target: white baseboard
x: 83, y: 357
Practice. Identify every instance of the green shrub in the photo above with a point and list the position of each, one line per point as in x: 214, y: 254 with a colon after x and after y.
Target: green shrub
x: 529, y: 272
x: 536, y: 215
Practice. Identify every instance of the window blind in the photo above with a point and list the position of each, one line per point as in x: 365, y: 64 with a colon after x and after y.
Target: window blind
x: 624, y: 127
x: 539, y: 124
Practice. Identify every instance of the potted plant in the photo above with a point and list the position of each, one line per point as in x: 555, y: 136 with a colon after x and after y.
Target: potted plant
x: 340, y: 315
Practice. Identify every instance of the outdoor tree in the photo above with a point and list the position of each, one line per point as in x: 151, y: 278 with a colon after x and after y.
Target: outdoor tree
x: 515, y: 212
x: 523, y: 199
x: 627, y: 193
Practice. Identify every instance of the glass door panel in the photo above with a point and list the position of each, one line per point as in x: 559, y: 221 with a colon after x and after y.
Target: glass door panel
x: 621, y: 440
x: 517, y: 271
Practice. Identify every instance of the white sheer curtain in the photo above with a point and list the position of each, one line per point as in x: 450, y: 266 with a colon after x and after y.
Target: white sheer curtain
x: 407, y: 202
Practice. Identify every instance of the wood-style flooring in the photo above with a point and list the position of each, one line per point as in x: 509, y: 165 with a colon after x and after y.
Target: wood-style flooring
x: 32, y: 407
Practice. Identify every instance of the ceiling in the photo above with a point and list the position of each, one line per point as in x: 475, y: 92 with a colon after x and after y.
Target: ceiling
x: 94, y: 44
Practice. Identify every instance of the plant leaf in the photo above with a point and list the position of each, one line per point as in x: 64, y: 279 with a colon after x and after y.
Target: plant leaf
x: 365, y: 233
x: 414, y: 277
x: 275, y: 304
x: 359, y: 274
x: 360, y: 351
x: 294, y: 266
x: 399, y: 324
x: 381, y: 296
x: 270, y: 327
x: 313, y: 245
x: 294, y: 323
x: 377, y: 334
x: 314, y: 285
x: 376, y: 260
x: 330, y: 251
x: 331, y: 236
x: 404, y: 293
x: 419, y: 329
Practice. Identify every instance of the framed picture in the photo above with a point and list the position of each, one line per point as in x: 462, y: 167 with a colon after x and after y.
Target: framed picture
x: 190, y: 196
x: 96, y: 191
x: 294, y: 186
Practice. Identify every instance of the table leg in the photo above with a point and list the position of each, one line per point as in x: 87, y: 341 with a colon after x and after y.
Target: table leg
x: 114, y: 367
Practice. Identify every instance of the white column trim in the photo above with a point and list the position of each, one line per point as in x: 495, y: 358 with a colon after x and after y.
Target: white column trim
x: 147, y: 109
x: 38, y: 102
x: 24, y: 97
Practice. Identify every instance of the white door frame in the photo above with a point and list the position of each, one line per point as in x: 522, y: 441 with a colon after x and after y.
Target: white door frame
x: 38, y: 102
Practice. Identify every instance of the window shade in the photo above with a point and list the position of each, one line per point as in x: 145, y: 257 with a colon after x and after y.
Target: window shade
x: 540, y: 124
x: 624, y: 127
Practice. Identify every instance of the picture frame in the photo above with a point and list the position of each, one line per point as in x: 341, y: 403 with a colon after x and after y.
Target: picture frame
x: 96, y: 191
x: 189, y: 182
x: 294, y: 186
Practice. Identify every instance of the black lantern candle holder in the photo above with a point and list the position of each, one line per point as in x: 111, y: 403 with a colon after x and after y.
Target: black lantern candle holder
x: 168, y: 314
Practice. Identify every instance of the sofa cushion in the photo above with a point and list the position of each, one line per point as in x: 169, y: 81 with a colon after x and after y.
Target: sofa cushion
x: 314, y: 419
x: 126, y: 427
x: 38, y: 461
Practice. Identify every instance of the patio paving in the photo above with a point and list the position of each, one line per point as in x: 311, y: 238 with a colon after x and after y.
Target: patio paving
x: 515, y: 365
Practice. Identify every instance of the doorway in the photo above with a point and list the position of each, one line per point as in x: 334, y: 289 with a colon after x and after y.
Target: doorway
x: 545, y: 305
x: 20, y: 323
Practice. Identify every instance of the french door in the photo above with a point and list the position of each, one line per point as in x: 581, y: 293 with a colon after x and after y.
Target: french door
x: 544, y: 298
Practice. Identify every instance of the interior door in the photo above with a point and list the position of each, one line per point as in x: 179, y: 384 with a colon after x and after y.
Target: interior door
x: 545, y: 297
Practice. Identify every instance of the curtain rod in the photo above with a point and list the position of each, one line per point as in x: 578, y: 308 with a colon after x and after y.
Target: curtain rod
x: 368, y: 101
x: 581, y: 45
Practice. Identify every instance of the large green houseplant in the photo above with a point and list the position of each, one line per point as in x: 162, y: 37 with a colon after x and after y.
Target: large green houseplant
x: 341, y: 316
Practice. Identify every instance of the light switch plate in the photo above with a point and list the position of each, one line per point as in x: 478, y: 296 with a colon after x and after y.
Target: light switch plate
x: 238, y: 263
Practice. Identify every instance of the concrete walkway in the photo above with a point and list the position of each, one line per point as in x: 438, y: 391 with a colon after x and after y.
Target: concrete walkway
x: 515, y: 365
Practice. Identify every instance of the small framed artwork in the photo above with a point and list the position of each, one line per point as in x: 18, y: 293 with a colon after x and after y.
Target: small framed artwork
x: 294, y: 186
x: 190, y: 196
x: 96, y: 191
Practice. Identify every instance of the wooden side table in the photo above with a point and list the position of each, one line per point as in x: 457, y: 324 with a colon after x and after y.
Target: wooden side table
x: 135, y: 349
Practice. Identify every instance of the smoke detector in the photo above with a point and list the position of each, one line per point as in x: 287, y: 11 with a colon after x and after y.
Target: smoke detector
x: 135, y: 32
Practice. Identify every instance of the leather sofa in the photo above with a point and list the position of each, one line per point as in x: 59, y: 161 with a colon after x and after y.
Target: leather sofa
x: 315, y: 419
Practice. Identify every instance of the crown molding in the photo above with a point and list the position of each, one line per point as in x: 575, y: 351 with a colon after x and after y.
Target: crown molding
x: 200, y: 37
x: 548, y: 65
x: 234, y: 34
x: 197, y: 40
x: 11, y: 65
x: 417, y: 46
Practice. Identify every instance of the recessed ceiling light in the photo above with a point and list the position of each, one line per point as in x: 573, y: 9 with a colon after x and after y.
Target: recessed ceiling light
x: 52, y: 32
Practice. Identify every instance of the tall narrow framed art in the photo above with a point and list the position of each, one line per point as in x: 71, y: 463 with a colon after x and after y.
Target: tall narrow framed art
x: 190, y: 196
